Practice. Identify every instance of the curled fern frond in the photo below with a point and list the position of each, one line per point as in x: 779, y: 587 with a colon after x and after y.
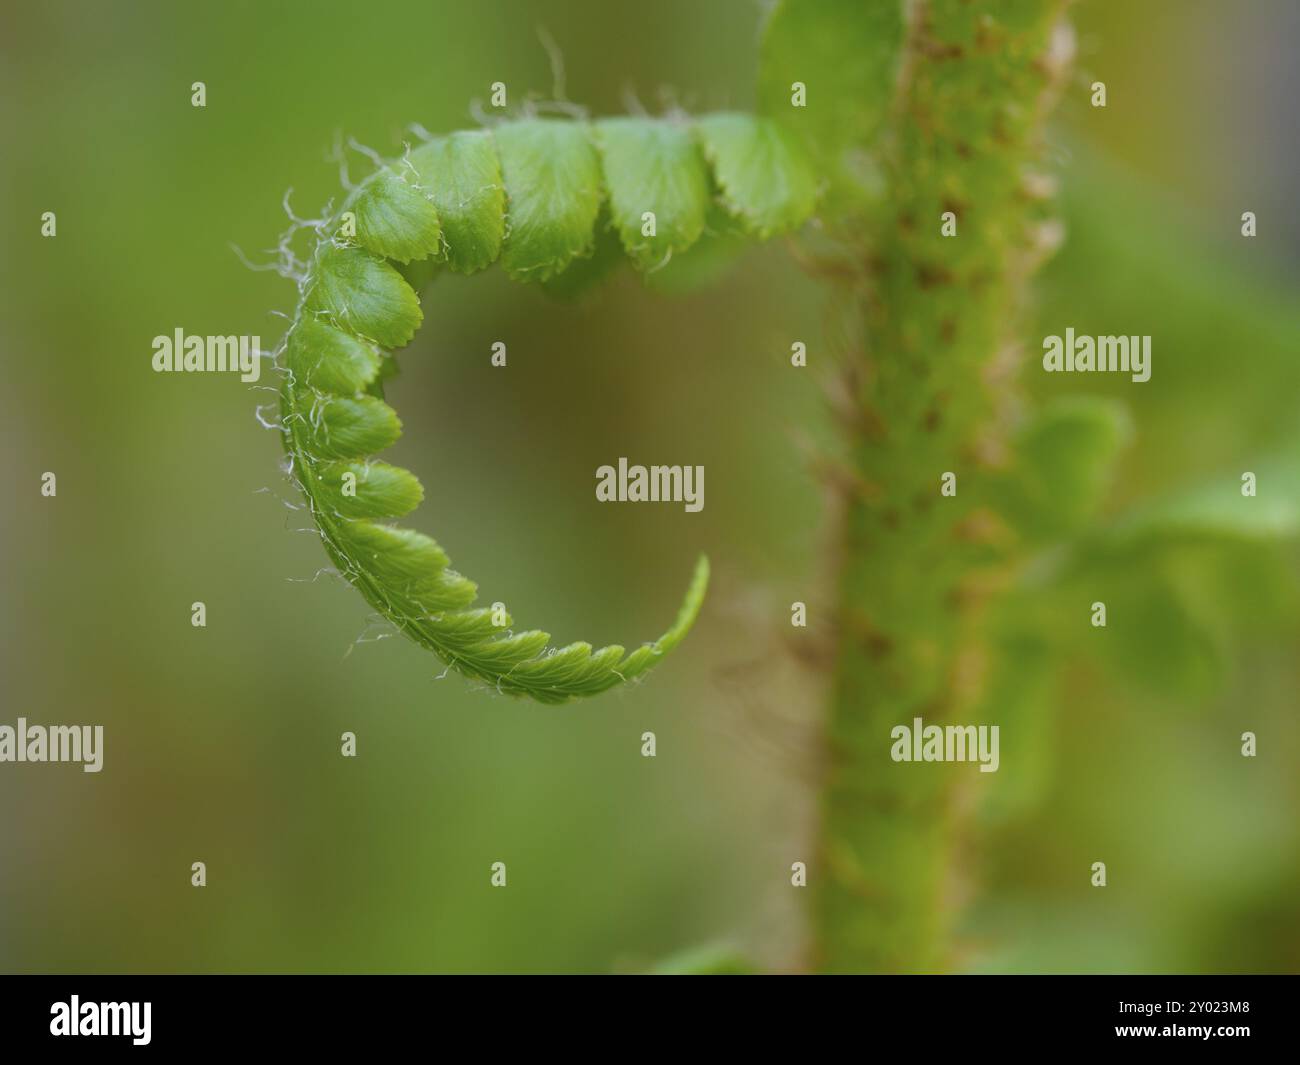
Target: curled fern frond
x: 528, y: 192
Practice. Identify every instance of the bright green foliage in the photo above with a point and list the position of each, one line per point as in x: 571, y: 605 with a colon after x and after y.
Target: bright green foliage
x: 349, y: 427
x: 766, y: 180
x: 365, y: 489
x: 654, y: 166
x: 552, y: 179
x: 364, y: 295
x: 464, y: 174
x: 330, y: 359
x: 530, y: 192
x: 399, y: 221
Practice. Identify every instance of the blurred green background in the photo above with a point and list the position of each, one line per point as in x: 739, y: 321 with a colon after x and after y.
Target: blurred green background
x: 222, y: 744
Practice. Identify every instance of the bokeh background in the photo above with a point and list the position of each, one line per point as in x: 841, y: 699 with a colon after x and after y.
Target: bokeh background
x: 222, y: 744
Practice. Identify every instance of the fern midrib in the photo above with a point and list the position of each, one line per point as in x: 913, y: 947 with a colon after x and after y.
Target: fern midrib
x: 326, y: 522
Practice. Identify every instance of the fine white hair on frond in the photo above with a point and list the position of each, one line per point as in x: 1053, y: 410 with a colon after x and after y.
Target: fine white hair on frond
x: 556, y: 58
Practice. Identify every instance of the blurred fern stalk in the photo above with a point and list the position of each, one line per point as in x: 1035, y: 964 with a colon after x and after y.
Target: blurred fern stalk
x: 955, y: 98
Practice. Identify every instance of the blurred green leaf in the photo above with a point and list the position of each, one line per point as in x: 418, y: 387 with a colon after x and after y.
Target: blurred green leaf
x: 1155, y: 638
x: 1019, y: 698
x: 1066, y: 458
x: 845, y: 53
x: 1219, y: 510
x: 706, y: 961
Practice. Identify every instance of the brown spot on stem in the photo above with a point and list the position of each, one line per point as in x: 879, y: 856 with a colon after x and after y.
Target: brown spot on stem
x: 929, y: 275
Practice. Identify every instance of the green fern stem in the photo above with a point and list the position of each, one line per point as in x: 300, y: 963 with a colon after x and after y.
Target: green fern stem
x: 931, y: 397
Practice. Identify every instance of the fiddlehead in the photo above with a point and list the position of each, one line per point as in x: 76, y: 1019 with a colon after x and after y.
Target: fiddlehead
x: 528, y: 192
